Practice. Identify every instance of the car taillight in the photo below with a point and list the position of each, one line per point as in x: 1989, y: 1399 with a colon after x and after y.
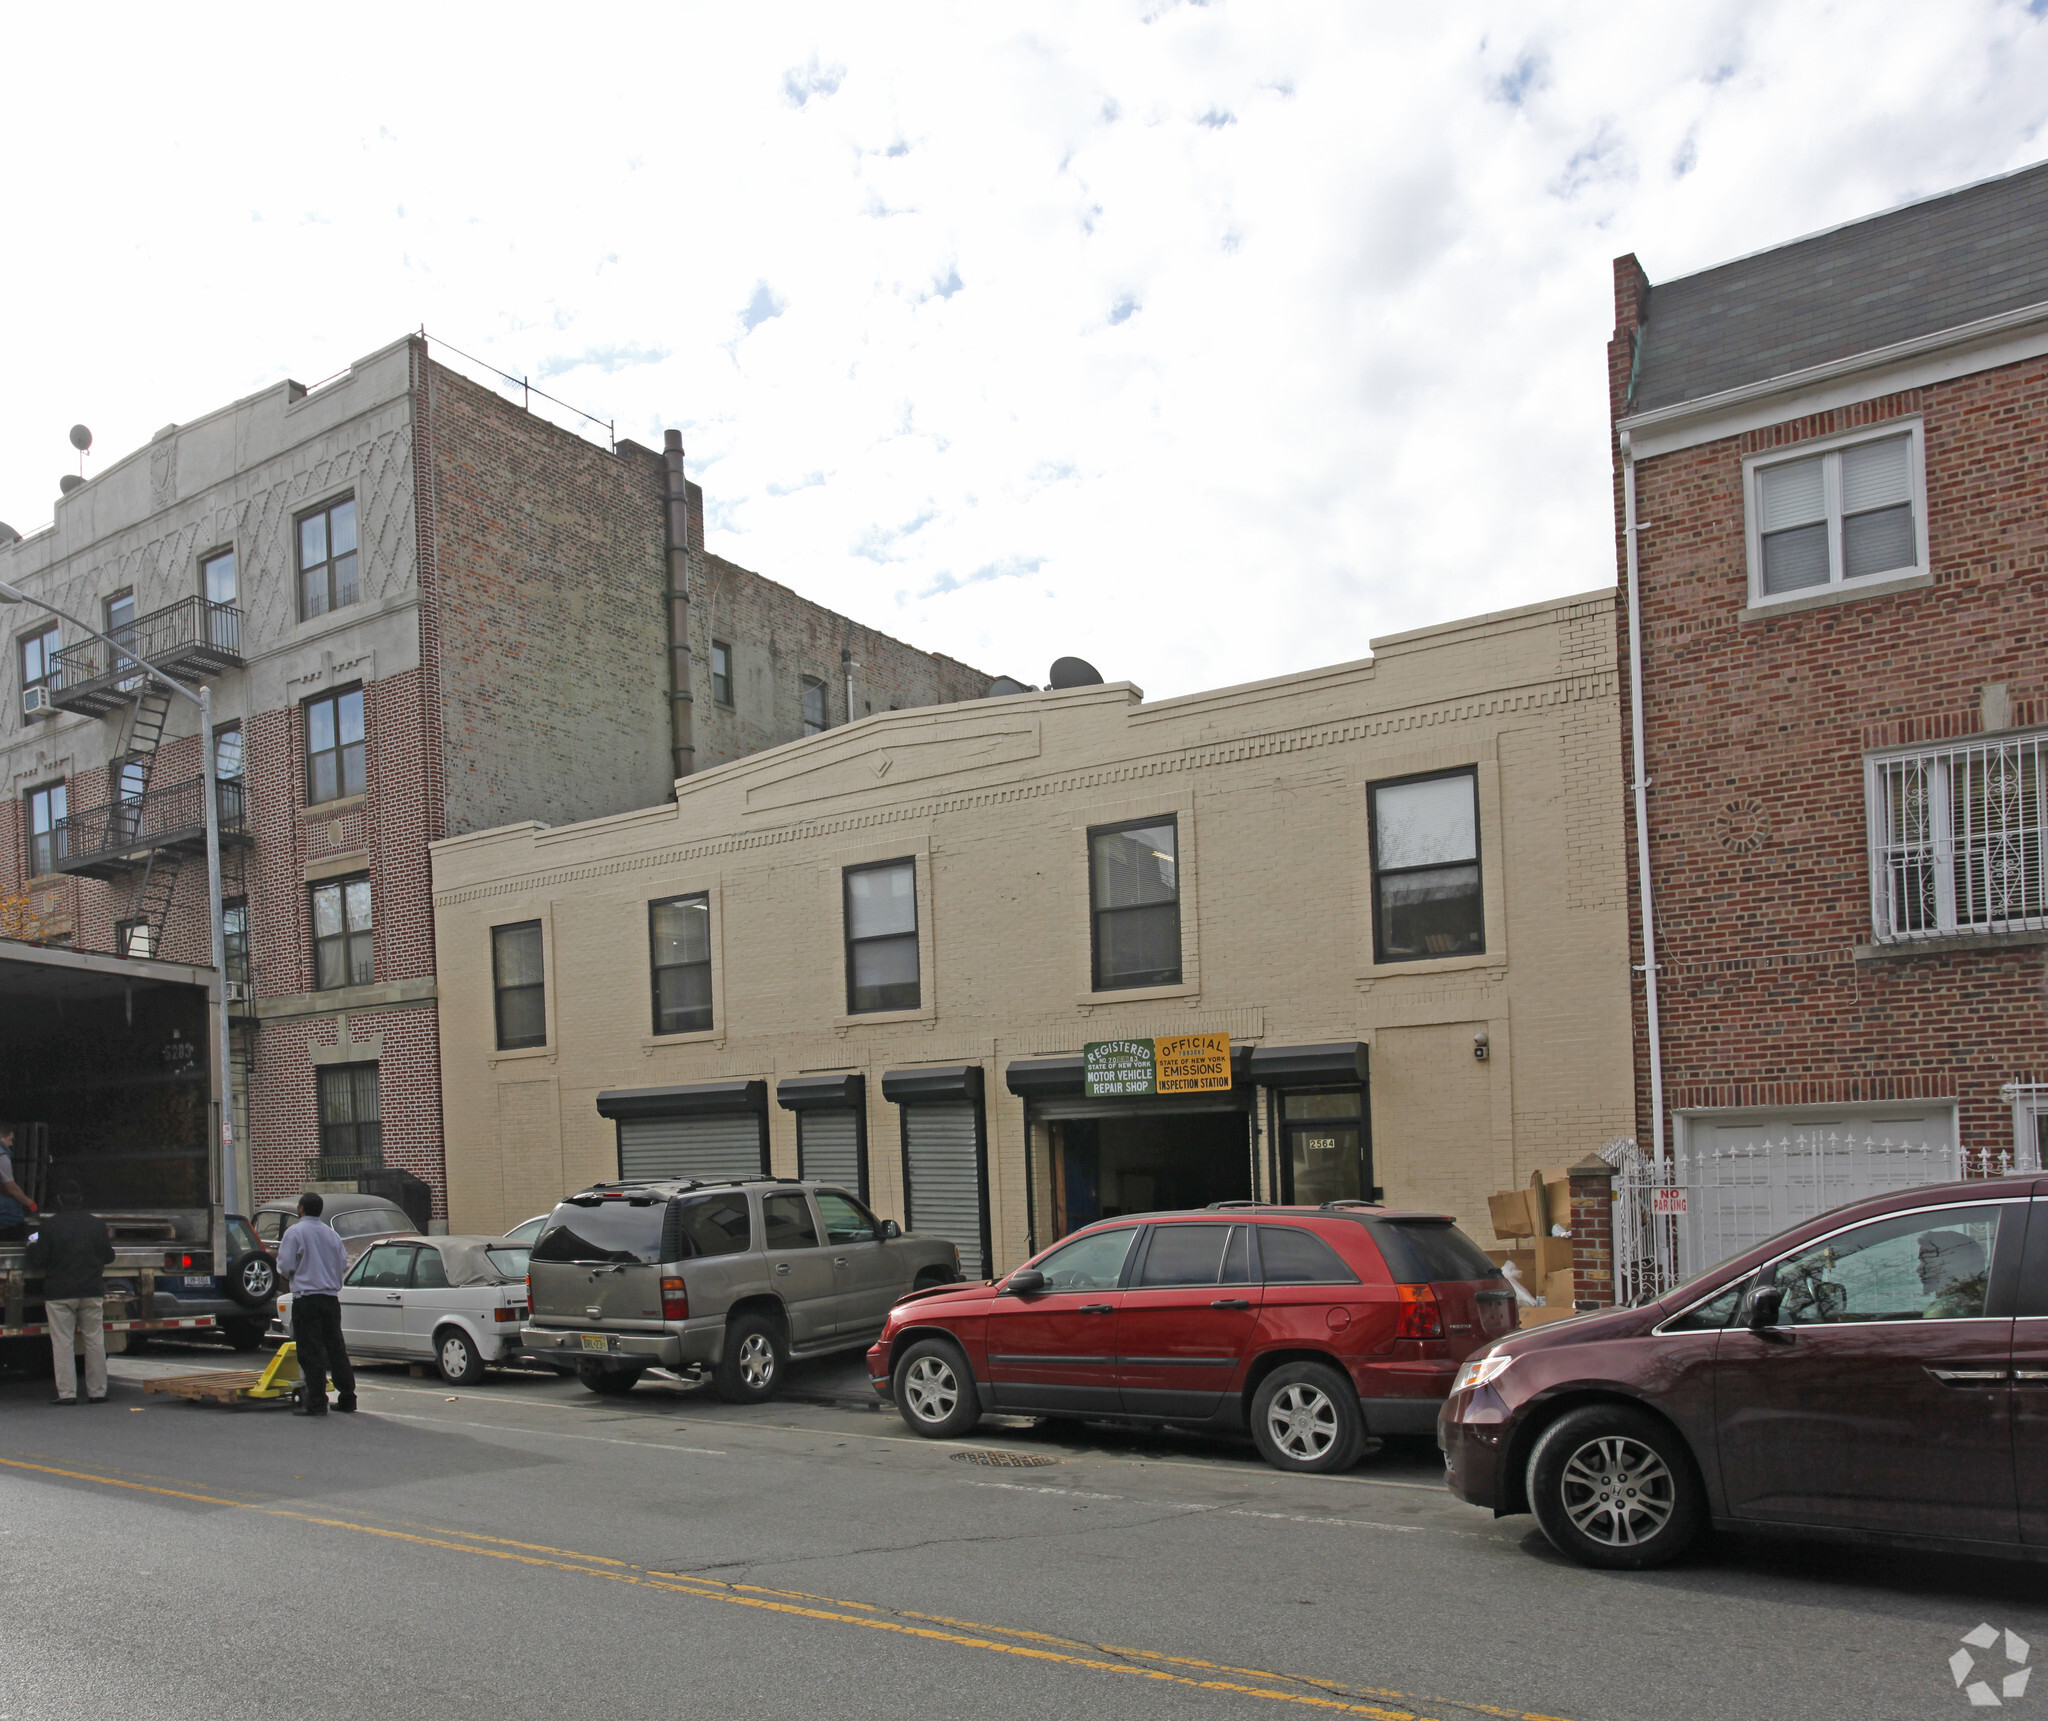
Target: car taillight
x: 675, y: 1301
x: 179, y: 1261
x: 1422, y: 1317
x: 506, y: 1314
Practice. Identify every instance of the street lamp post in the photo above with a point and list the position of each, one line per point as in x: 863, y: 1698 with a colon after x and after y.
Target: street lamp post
x: 202, y: 696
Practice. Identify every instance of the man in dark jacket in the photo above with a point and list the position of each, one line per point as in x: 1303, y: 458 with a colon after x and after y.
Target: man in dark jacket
x: 71, y: 1252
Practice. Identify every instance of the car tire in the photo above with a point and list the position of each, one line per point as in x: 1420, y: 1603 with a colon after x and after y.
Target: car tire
x: 1305, y: 1419
x: 610, y: 1382
x: 934, y: 1390
x: 456, y: 1356
x: 755, y: 1359
x: 1615, y: 1487
x: 241, y: 1335
x: 252, y: 1279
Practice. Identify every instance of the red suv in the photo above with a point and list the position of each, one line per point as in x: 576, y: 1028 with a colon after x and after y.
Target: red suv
x: 1314, y: 1326
x: 1878, y: 1372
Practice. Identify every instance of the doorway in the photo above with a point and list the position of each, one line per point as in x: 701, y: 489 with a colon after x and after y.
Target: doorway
x: 1105, y: 1167
x: 1325, y: 1150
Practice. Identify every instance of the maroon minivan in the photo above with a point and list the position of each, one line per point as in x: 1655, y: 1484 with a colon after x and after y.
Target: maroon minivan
x: 1879, y: 1373
x: 1316, y: 1327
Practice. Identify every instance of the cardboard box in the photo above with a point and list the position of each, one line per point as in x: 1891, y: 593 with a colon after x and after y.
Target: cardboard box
x: 1552, y: 1255
x: 1537, y: 1317
x: 1510, y: 1210
x: 1558, y: 1288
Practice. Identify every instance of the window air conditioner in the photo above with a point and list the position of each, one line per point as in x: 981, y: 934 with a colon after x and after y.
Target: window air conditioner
x: 235, y: 991
x: 37, y: 702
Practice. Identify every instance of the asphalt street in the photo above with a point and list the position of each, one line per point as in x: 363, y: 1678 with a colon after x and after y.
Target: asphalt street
x: 524, y: 1548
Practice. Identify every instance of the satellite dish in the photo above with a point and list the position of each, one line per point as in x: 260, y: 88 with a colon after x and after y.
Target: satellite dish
x: 8, y: 535
x: 1074, y: 672
x: 70, y: 482
x: 81, y: 438
x: 1007, y: 684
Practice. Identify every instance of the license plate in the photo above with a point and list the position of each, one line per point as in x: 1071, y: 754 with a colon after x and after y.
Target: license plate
x: 597, y: 1342
x: 198, y: 1281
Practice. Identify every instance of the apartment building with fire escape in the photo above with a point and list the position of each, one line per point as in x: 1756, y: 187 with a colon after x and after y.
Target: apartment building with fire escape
x: 423, y: 610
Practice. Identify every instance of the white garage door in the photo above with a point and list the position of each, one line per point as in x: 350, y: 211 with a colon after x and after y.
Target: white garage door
x: 1749, y: 1176
x: 727, y: 1145
x: 942, y: 1165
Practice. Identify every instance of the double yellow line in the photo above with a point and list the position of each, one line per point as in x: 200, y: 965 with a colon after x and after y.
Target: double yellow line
x: 967, y: 1634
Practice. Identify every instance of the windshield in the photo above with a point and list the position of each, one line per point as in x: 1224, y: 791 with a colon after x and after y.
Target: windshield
x: 603, y: 1232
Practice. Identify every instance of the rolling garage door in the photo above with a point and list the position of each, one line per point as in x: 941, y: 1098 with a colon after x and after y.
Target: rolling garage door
x: 828, y: 1148
x: 722, y: 1145
x: 945, y: 1194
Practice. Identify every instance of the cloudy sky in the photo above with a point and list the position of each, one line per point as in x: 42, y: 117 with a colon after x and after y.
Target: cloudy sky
x: 1206, y: 341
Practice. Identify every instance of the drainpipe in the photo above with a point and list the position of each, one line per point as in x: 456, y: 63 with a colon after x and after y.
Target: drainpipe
x: 847, y: 667
x: 683, y: 748
x: 1641, y: 788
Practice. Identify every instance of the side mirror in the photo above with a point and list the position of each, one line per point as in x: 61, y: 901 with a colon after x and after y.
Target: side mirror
x: 890, y: 1231
x: 1023, y: 1282
x: 1764, y: 1303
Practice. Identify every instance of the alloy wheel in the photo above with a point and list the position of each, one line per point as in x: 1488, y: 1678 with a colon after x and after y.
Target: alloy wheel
x: 1302, y: 1420
x: 757, y: 1360
x: 933, y: 1390
x: 1617, y: 1491
x: 258, y: 1281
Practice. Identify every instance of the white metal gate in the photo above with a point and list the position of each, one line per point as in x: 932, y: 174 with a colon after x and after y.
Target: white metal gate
x: 944, y: 1192
x: 1705, y: 1205
x: 726, y: 1144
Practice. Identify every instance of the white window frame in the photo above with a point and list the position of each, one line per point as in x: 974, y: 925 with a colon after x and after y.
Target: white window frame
x: 1753, y: 467
x: 2029, y: 1101
x: 1968, y: 896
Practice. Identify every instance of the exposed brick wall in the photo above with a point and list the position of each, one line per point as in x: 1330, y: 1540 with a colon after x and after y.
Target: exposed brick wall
x: 552, y: 641
x: 1755, y: 734
x: 1592, y: 1226
x: 778, y: 638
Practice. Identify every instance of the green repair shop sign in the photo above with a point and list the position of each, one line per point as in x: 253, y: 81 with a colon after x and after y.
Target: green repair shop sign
x: 1178, y: 1064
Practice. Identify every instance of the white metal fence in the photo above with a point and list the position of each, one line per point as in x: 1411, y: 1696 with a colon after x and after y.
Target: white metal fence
x: 1678, y: 1219
x: 1956, y: 839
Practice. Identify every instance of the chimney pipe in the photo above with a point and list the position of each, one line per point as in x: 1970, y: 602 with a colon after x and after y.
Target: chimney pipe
x: 682, y: 744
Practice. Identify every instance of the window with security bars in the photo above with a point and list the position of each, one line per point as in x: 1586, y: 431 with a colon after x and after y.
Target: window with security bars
x: 1134, y: 896
x: 1837, y: 517
x: 351, y: 1115
x: 679, y: 941
x: 1956, y: 839
x: 519, y: 982
x: 344, y: 936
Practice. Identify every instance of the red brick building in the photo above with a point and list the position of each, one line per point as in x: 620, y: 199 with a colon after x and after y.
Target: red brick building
x: 1831, y: 489
x: 423, y: 610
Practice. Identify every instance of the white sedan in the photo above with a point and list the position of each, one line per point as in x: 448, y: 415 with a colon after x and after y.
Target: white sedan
x: 456, y: 1302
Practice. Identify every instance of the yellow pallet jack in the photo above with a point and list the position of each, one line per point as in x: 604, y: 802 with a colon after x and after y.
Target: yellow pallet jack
x: 277, y: 1384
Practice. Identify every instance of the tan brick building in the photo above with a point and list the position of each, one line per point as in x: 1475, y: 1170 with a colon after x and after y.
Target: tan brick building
x: 877, y: 954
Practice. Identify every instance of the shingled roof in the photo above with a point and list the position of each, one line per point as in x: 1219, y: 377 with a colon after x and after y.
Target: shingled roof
x: 1932, y: 265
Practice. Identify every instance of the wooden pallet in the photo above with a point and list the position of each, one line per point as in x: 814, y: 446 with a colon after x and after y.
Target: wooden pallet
x: 228, y: 1386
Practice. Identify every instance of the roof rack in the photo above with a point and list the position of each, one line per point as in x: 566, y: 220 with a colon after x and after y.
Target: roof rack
x: 1349, y: 1201
x: 1219, y: 1206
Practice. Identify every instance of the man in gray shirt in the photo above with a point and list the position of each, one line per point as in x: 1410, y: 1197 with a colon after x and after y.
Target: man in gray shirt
x: 314, y: 1259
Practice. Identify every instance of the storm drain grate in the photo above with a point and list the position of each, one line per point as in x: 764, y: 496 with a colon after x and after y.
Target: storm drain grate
x: 1014, y: 1460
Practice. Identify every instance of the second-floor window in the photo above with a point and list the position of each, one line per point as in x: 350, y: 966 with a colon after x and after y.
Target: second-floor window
x: 1425, y: 868
x: 881, y: 937
x: 39, y: 658
x: 337, y: 761
x: 227, y: 753
x: 679, y: 935
x: 234, y: 922
x: 134, y: 938
x: 344, y: 937
x: 47, y: 810
x: 519, y: 980
x: 721, y: 672
x: 814, y: 705
x: 1134, y: 898
x: 1831, y: 519
x: 1957, y: 839
x: 327, y: 558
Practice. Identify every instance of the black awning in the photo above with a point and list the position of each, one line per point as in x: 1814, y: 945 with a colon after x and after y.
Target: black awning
x: 932, y: 1082
x: 694, y: 1100
x: 1336, y: 1065
x: 820, y: 1093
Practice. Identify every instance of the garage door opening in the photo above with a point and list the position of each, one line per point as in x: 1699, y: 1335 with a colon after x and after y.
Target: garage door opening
x: 1104, y: 1167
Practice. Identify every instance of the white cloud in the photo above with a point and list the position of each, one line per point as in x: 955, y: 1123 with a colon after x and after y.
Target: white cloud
x: 1206, y: 342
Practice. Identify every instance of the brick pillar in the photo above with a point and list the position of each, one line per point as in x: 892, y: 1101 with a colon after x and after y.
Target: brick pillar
x: 1592, y: 1183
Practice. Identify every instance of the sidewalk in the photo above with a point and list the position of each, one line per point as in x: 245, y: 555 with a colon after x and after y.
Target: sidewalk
x: 839, y: 1381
